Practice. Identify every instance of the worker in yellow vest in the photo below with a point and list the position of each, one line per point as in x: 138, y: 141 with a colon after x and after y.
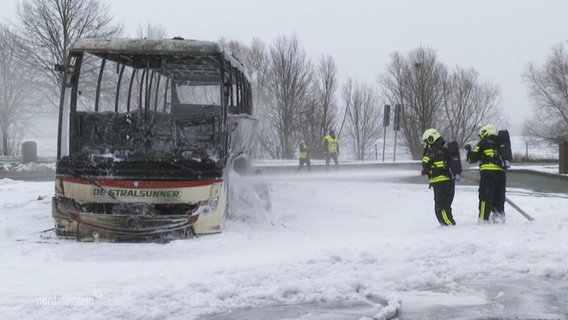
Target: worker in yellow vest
x: 331, y: 149
x: 304, y: 155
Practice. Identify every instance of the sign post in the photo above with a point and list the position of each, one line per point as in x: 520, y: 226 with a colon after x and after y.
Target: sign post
x: 396, y: 125
x: 386, y: 122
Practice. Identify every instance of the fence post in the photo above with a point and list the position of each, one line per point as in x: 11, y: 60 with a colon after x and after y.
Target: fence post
x: 563, y: 158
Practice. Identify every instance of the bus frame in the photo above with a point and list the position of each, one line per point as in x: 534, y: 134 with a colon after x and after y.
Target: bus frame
x: 148, y: 133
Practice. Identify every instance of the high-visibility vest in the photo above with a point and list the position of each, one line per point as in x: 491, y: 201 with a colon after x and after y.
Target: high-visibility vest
x: 303, y: 154
x: 331, y: 144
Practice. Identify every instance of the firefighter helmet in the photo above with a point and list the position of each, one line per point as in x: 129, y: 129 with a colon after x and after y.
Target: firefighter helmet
x: 430, y: 136
x: 487, y: 130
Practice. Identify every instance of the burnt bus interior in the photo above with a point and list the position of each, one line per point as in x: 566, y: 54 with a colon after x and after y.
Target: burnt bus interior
x: 146, y: 114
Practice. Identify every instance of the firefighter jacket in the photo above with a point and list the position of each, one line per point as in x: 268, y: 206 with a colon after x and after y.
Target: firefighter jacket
x: 303, y: 150
x: 436, y: 162
x: 330, y: 144
x: 487, y: 152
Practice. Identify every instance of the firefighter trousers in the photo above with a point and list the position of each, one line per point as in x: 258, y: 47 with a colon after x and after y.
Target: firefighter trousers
x: 443, y: 197
x: 492, y: 185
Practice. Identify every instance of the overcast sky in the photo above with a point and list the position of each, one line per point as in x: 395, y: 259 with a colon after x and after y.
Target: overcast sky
x: 496, y: 38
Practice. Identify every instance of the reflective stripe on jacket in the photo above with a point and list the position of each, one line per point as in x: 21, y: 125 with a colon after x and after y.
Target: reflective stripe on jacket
x: 487, y: 152
x: 435, y: 163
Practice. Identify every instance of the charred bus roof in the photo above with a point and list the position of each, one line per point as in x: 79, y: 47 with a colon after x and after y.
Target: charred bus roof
x: 178, y: 59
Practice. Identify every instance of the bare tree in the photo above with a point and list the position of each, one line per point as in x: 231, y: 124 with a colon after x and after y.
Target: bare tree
x: 320, y: 110
x: 255, y: 60
x: 152, y: 31
x: 548, y: 87
x: 257, y: 65
x: 289, y: 79
x: 363, y: 116
x: 468, y: 105
x: 50, y: 26
x: 284, y: 88
x: 17, y: 98
x: 418, y: 83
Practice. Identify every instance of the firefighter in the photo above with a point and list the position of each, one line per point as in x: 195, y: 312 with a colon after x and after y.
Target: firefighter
x: 492, y: 183
x: 331, y: 149
x: 304, y: 155
x: 435, y: 163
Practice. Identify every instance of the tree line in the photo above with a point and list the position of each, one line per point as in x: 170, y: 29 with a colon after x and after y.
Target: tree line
x: 299, y: 98
x: 295, y: 96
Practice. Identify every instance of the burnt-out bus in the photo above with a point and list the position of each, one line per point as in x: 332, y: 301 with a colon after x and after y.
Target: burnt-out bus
x: 148, y: 133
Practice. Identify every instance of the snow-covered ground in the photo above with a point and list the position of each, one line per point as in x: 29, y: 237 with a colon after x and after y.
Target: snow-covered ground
x: 339, y: 245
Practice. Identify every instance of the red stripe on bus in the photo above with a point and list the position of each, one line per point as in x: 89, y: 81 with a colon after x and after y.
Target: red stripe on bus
x: 142, y: 184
